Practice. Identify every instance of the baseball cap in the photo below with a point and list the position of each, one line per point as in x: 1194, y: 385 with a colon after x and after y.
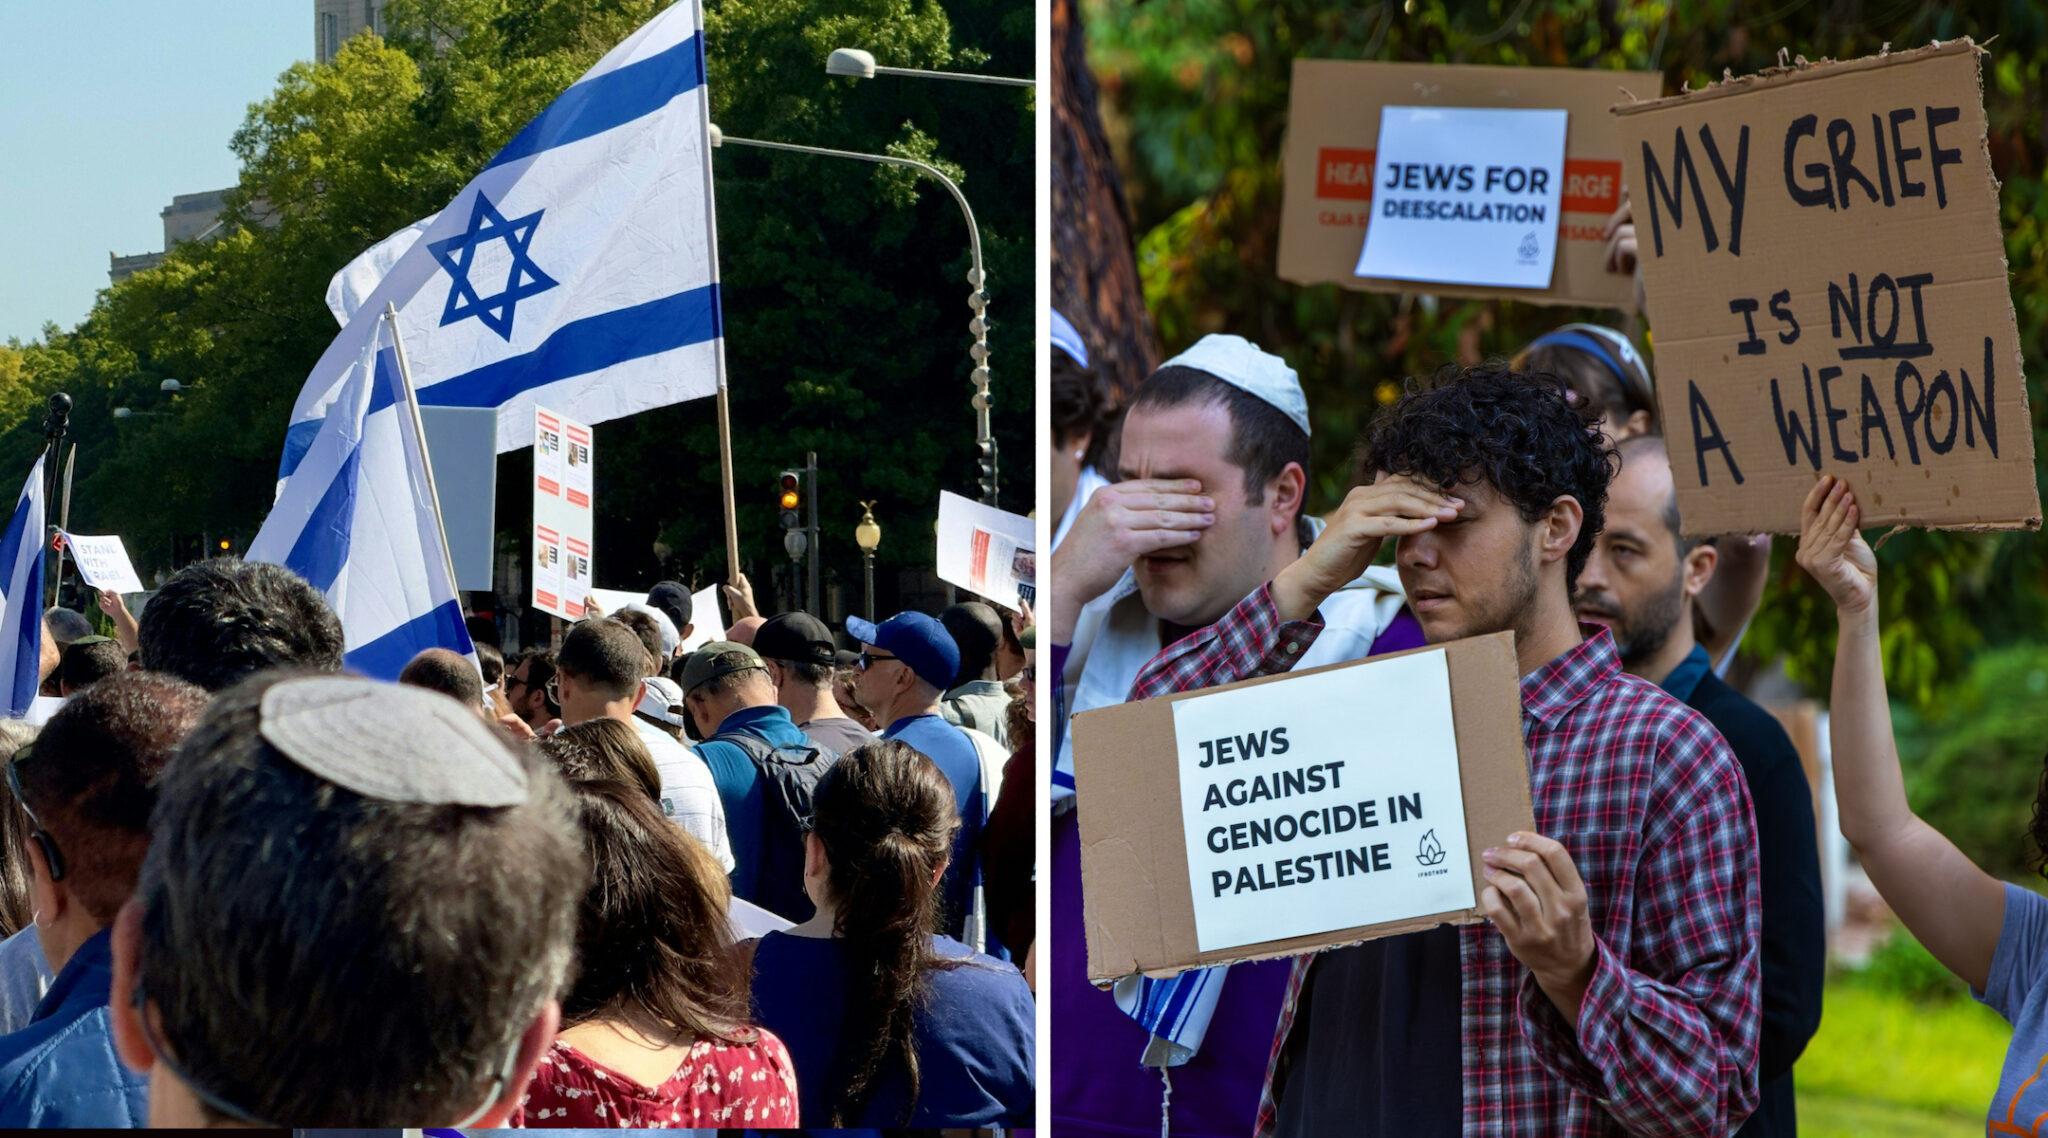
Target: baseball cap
x: 718, y: 658
x: 662, y: 699
x: 796, y: 636
x: 1247, y: 367
x: 920, y: 641
x: 673, y: 598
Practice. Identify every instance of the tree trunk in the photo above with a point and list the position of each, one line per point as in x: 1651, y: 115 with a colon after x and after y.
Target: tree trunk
x: 1094, y: 263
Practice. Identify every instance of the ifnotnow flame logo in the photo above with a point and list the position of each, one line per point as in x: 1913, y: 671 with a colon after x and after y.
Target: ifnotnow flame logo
x: 1431, y: 851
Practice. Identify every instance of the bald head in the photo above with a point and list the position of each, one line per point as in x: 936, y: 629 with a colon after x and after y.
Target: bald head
x: 743, y: 629
x: 450, y: 673
x: 1645, y: 481
x: 1641, y: 577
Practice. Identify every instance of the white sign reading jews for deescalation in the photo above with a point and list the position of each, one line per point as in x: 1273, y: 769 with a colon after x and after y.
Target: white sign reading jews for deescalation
x: 1466, y: 195
x: 1323, y: 803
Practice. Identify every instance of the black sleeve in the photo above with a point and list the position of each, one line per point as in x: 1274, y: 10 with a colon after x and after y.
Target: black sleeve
x: 1788, y: 862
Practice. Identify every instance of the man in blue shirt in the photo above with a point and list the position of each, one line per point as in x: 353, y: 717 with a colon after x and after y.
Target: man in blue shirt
x: 907, y: 662
x: 88, y: 784
x: 733, y: 703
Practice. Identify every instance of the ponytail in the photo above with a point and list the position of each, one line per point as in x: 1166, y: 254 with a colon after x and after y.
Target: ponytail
x: 886, y: 817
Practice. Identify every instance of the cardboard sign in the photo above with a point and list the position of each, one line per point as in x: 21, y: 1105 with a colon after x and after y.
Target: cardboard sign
x: 103, y: 562
x: 1432, y: 750
x: 1293, y: 828
x: 562, y: 490
x: 1826, y: 272
x: 987, y: 551
x: 1328, y: 169
x: 1466, y: 196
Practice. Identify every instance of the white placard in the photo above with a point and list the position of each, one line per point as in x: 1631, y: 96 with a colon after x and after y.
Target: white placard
x: 103, y: 562
x: 562, y: 492
x: 1466, y: 195
x: 747, y: 920
x: 706, y: 623
x: 1323, y: 803
x: 987, y: 551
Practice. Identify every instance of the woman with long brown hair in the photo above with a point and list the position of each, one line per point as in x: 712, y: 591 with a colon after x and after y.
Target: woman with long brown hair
x: 891, y: 1024
x: 655, y: 1030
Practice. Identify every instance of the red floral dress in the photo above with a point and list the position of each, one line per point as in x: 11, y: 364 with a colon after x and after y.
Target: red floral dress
x: 719, y: 1084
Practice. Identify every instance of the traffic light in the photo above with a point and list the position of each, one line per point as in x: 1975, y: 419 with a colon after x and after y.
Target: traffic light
x: 986, y: 470
x: 790, y: 498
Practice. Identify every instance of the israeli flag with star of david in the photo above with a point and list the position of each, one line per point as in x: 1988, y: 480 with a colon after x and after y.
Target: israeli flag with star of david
x: 577, y: 271
x: 357, y: 520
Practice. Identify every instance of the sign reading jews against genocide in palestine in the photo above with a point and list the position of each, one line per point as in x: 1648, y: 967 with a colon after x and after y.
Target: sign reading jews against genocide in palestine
x: 1283, y: 814
x: 1300, y: 822
x: 1466, y: 196
x: 1821, y: 250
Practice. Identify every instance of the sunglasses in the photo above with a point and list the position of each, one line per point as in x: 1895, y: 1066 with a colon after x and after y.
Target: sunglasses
x: 36, y: 834
x: 867, y: 658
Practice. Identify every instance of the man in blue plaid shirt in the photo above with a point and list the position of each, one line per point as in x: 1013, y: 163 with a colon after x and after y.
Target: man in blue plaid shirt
x: 1615, y: 988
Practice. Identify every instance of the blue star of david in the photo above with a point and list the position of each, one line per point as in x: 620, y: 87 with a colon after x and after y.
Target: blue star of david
x: 524, y: 280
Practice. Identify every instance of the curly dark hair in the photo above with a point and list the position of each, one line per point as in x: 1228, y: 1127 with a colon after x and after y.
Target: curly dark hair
x: 1516, y: 431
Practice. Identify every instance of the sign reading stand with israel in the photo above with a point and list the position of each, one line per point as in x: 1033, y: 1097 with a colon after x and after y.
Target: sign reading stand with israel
x: 1298, y: 822
x: 579, y: 269
x: 1466, y: 195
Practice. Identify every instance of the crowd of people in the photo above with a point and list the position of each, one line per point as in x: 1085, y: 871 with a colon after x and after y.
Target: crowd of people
x: 618, y: 883
x: 1653, y: 952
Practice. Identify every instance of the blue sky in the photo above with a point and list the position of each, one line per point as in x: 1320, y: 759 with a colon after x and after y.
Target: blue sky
x: 109, y: 108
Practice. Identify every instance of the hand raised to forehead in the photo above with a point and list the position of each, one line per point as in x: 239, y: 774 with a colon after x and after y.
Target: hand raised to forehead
x: 1392, y: 506
x: 1125, y: 521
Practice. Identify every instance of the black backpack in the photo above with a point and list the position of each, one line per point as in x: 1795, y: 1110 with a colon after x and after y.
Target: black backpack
x: 788, y: 776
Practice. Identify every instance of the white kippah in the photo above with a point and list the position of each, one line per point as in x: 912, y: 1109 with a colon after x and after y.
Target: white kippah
x: 1244, y: 365
x: 391, y: 742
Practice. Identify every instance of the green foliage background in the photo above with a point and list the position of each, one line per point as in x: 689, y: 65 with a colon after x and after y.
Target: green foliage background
x: 844, y: 284
x: 1195, y: 99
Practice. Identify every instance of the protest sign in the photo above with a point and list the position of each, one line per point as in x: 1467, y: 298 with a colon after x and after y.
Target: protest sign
x: 1330, y: 164
x: 1290, y: 813
x: 103, y: 562
x: 705, y: 622
x: 1826, y: 276
x: 987, y: 551
x: 1466, y: 196
x: 562, y: 490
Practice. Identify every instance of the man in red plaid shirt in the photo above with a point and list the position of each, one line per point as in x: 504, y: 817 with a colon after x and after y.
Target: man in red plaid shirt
x: 1615, y: 988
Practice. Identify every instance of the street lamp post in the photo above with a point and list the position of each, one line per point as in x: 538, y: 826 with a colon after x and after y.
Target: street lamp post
x: 977, y: 300
x: 868, y: 535
x: 853, y: 63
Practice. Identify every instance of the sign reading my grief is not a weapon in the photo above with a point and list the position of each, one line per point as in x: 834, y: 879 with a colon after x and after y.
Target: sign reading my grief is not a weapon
x: 1826, y: 277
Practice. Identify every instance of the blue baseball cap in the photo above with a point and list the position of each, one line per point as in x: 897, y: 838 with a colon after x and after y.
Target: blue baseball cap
x: 921, y: 642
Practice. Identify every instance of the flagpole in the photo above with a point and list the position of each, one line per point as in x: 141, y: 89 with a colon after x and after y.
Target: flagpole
x: 419, y: 434
x: 732, y: 529
x: 64, y: 510
x: 53, y: 440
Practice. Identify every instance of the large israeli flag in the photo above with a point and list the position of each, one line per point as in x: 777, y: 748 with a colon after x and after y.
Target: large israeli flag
x: 578, y: 270
x: 358, y: 521
x: 21, y: 604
